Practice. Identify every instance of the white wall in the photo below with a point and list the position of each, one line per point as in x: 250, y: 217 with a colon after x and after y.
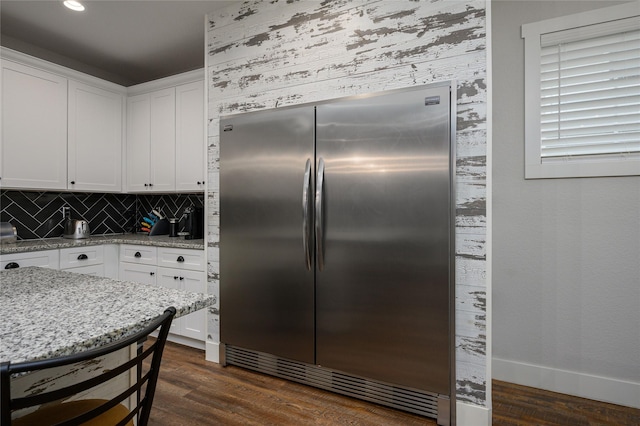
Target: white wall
x: 566, y: 252
x: 266, y: 54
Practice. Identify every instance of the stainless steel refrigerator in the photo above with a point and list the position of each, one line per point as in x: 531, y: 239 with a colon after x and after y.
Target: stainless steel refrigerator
x: 336, y: 244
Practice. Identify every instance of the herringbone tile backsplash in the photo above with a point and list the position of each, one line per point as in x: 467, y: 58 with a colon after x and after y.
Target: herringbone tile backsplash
x: 39, y: 214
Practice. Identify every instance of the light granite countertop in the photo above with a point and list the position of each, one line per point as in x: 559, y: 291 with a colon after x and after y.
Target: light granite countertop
x: 48, y: 313
x: 58, y: 243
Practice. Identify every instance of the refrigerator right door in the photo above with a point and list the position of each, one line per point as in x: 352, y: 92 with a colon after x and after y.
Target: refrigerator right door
x: 383, y: 216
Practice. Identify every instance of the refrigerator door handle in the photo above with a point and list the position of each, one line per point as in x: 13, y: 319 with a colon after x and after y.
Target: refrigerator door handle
x: 306, y: 227
x: 319, y: 217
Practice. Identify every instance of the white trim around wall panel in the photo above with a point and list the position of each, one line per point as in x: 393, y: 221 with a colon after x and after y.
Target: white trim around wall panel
x: 472, y: 415
x: 488, y: 247
x: 568, y: 382
x: 212, y: 351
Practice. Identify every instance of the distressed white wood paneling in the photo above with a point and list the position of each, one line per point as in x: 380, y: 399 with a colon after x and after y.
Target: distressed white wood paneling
x: 471, y: 349
x: 471, y: 298
x: 56, y: 378
x: 472, y: 142
x: 468, y: 71
x: 471, y: 382
x: 470, y: 271
x: 472, y: 246
x: 269, y: 54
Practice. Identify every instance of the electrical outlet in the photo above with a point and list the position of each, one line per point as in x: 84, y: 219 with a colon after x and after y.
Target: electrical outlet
x: 66, y: 212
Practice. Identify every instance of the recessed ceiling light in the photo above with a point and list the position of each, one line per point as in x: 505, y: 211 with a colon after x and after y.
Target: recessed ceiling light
x: 74, y: 5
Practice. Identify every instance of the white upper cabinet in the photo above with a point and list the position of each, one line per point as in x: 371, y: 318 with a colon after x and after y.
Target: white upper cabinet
x: 138, y: 142
x: 151, y: 142
x: 34, y: 128
x: 61, y: 129
x: 190, y: 144
x: 95, y: 139
x: 165, y: 135
x: 163, y: 140
x: 64, y: 130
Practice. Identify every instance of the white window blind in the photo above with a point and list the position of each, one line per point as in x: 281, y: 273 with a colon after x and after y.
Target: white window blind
x: 590, y: 92
x: 582, y: 94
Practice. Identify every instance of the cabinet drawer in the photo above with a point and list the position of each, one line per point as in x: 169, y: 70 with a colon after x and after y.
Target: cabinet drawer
x: 181, y: 258
x: 45, y: 259
x: 81, y: 256
x: 95, y: 270
x: 144, y: 255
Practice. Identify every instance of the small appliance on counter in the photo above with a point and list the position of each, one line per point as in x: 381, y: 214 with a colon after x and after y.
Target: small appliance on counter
x: 193, y: 225
x: 8, y: 233
x: 173, y: 227
x: 75, y: 228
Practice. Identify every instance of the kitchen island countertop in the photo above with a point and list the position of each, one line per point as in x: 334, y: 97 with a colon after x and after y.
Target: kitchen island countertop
x: 141, y: 239
x: 48, y: 313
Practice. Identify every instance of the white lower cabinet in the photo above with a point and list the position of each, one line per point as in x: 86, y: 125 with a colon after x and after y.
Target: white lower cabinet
x: 99, y: 260
x: 96, y: 260
x: 192, y: 325
x: 182, y: 269
x: 139, y: 273
x: 95, y: 270
x: 83, y: 260
x: 44, y: 259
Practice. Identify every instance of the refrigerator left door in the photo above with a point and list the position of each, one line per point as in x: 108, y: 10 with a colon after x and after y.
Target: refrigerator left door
x: 266, y: 280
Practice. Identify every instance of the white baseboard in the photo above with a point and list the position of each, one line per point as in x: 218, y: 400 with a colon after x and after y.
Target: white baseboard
x: 212, y: 352
x: 186, y: 341
x: 472, y: 415
x: 568, y: 382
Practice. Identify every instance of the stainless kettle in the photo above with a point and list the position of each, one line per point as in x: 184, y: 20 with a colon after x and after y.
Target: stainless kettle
x: 76, y: 229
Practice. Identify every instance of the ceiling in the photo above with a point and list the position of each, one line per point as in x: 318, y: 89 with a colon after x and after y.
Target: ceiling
x: 126, y: 42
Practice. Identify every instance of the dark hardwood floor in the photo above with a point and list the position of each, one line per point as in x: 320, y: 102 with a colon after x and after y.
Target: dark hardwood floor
x: 192, y: 391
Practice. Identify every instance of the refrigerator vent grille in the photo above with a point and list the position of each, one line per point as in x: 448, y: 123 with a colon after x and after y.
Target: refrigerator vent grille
x: 411, y: 400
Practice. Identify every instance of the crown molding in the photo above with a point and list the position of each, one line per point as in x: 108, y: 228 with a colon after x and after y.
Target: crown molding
x: 32, y: 61
x: 162, y: 83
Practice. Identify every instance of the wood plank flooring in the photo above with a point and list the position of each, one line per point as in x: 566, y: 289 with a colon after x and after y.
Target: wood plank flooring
x: 192, y: 391
x: 521, y: 405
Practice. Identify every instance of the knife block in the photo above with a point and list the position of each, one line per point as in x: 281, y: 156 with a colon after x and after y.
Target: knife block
x: 160, y: 228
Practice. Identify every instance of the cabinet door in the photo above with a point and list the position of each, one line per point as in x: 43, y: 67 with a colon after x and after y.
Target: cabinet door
x: 190, y: 142
x: 34, y: 128
x: 194, y: 324
x: 163, y: 140
x: 171, y: 278
x: 144, y: 274
x: 138, y: 143
x: 95, y: 139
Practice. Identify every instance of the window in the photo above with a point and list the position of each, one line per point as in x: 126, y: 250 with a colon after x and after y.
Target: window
x: 582, y: 94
